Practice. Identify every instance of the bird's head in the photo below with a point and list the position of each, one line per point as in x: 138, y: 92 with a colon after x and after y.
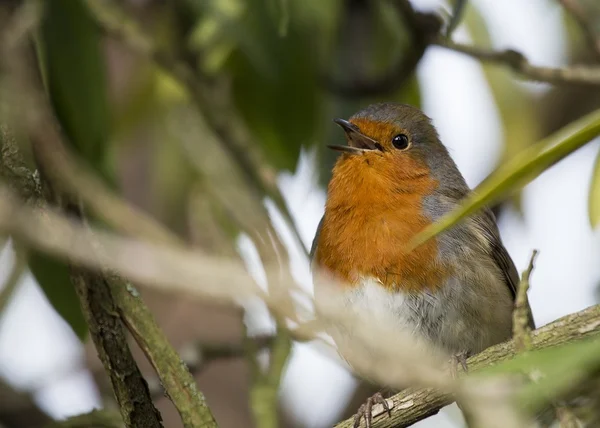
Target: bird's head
x: 392, y: 141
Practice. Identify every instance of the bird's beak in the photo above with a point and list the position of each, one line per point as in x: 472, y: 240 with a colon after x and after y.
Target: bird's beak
x: 357, y: 142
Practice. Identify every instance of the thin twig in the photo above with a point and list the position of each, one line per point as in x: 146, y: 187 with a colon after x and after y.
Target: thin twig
x: 585, y: 22
x: 576, y: 75
x: 522, y: 324
x: 522, y: 319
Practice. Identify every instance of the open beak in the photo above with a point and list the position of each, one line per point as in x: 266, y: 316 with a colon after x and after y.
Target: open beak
x: 357, y: 142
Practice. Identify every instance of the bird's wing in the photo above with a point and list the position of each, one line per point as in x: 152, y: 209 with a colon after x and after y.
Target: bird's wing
x: 487, y: 222
x: 313, y: 247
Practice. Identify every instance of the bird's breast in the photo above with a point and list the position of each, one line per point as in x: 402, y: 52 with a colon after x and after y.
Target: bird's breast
x: 366, y: 236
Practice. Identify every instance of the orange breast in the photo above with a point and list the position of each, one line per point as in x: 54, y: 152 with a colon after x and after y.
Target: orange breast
x: 369, y: 220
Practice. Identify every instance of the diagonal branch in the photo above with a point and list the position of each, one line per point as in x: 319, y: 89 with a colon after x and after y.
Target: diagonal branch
x: 414, y: 404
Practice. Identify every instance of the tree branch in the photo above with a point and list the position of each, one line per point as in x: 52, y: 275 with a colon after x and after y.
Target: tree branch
x: 96, y: 301
x: 175, y: 377
x: 104, y: 300
x: 577, y: 75
x: 108, y: 334
x: 413, y: 404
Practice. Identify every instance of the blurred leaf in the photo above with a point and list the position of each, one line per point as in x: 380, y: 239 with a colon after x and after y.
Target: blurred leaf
x: 275, y: 78
x: 594, y: 198
x: 519, y: 171
x: 55, y: 280
x: 556, y: 370
x: 76, y: 78
x: 275, y: 83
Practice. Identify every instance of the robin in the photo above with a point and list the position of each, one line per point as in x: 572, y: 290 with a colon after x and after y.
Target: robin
x: 392, y: 179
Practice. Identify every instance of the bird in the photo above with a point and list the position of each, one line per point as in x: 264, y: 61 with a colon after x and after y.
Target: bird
x: 393, y: 178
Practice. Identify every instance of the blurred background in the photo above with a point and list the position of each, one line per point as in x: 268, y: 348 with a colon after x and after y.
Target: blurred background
x: 289, y: 67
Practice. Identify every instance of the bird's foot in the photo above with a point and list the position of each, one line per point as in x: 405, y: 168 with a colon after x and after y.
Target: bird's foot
x: 366, y: 410
x: 460, y: 358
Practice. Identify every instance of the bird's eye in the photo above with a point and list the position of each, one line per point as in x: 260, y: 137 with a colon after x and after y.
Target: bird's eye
x: 400, y: 142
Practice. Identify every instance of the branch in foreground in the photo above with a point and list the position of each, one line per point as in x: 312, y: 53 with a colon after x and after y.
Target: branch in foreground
x: 413, y: 405
x: 104, y: 302
x: 98, y: 307
x: 580, y: 75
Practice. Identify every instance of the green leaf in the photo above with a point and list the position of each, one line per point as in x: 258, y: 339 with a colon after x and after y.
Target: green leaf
x: 275, y: 82
x: 54, y: 279
x: 518, y: 172
x: 556, y: 370
x: 594, y: 198
x: 76, y: 78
